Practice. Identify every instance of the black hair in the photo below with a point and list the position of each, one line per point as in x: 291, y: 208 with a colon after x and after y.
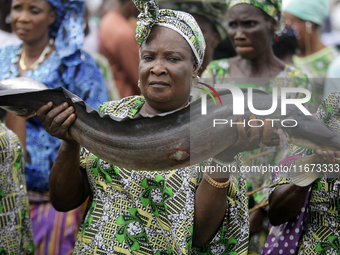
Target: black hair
x: 286, y: 43
x: 5, y: 10
x: 224, y: 49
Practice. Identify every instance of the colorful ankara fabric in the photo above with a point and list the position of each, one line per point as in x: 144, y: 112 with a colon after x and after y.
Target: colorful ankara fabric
x: 75, y: 70
x: 181, y: 22
x: 316, y: 66
x: 55, y: 232
x: 84, y: 80
x: 316, y: 11
x: 16, y: 235
x: 140, y: 212
x: 67, y: 30
x: 321, y: 232
x: 213, y: 11
x: 218, y: 72
x: 272, y: 7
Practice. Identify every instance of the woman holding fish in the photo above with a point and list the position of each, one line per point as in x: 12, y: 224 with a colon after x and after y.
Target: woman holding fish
x: 170, y: 212
x: 52, y: 35
x: 252, y: 26
x: 305, y: 206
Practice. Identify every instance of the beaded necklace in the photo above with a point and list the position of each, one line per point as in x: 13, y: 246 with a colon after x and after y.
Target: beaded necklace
x: 19, y: 59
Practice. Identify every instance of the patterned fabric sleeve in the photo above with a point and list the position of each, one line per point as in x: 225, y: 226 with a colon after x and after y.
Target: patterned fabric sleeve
x: 86, y: 81
x: 16, y: 236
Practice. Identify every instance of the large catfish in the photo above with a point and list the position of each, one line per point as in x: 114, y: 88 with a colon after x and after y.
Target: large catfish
x: 162, y: 142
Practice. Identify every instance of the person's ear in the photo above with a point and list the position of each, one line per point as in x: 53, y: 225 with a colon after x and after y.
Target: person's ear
x: 216, y: 39
x: 273, y: 25
x: 52, y: 17
x: 195, y: 70
x: 308, y: 25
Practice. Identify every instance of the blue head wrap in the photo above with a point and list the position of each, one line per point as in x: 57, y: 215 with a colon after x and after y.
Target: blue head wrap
x: 67, y: 30
x: 315, y: 11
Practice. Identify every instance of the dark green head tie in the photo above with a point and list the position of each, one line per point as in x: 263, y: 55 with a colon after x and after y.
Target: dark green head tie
x: 272, y: 7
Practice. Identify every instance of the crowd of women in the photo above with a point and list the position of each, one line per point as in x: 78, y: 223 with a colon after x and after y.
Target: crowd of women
x: 56, y: 197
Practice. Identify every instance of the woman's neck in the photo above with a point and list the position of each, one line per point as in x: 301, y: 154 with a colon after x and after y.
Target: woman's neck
x: 149, y: 110
x: 265, y: 68
x: 312, y: 45
x: 34, y: 49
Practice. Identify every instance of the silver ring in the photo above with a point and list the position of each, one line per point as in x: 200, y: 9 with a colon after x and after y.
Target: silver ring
x: 262, y: 145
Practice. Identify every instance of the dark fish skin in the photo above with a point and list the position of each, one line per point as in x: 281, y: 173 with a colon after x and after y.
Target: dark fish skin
x: 159, y: 143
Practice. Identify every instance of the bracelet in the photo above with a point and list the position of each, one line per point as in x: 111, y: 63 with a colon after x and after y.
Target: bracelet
x: 214, y: 183
x: 222, y: 163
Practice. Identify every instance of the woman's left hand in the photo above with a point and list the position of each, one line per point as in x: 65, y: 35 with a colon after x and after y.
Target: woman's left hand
x: 251, y: 140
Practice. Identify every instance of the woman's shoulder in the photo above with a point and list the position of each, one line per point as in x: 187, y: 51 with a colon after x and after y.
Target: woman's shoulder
x: 125, y: 107
x: 219, y: 64
x: 217, y: 68
x: 291, y: 71
x: 9, y: 51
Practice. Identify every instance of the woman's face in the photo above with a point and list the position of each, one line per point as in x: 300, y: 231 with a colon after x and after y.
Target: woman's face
x: 31, y: 19
x: 166, y: 68
x: 249, y: 32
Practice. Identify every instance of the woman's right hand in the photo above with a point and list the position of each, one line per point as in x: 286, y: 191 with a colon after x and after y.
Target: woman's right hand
x: 57, y: 121
x: 248, y: 141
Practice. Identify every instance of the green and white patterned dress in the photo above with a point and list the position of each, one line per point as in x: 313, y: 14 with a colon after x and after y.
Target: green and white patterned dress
x: 139, y: 212
x: 316, y: 66
x: 16, y: 236
x: 321, y: 232
x: 218, y: 72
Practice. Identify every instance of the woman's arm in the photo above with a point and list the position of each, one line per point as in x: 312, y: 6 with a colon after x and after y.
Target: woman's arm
x: 286, y: 200
x: 18, y: 126
x: 285, y: 203
x: 210, y: 207
x: 68, y: 185
x: 211, y: 202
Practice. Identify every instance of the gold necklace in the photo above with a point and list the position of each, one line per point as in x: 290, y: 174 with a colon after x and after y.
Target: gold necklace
x: 41, y: 58
x: 178, y: 109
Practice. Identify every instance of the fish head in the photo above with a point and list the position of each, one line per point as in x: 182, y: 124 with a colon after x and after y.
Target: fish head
x: 20, y: 111
x: 22, y: 83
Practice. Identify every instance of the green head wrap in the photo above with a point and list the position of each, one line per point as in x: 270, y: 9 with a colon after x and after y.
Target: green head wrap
x: 272, y: 7
x: 315, y: 11
x: 181, y: 22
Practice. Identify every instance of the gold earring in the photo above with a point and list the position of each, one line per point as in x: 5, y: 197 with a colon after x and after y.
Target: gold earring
x: 138, y: 83
x: 194, y: 82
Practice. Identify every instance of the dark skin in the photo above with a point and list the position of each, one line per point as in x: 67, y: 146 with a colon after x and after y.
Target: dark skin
x: 309, y: 40
x: 166, y: 69
x: 30, y: 20
x: 17, y: 125
x: 286, y: 201
x: 251, y: 33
